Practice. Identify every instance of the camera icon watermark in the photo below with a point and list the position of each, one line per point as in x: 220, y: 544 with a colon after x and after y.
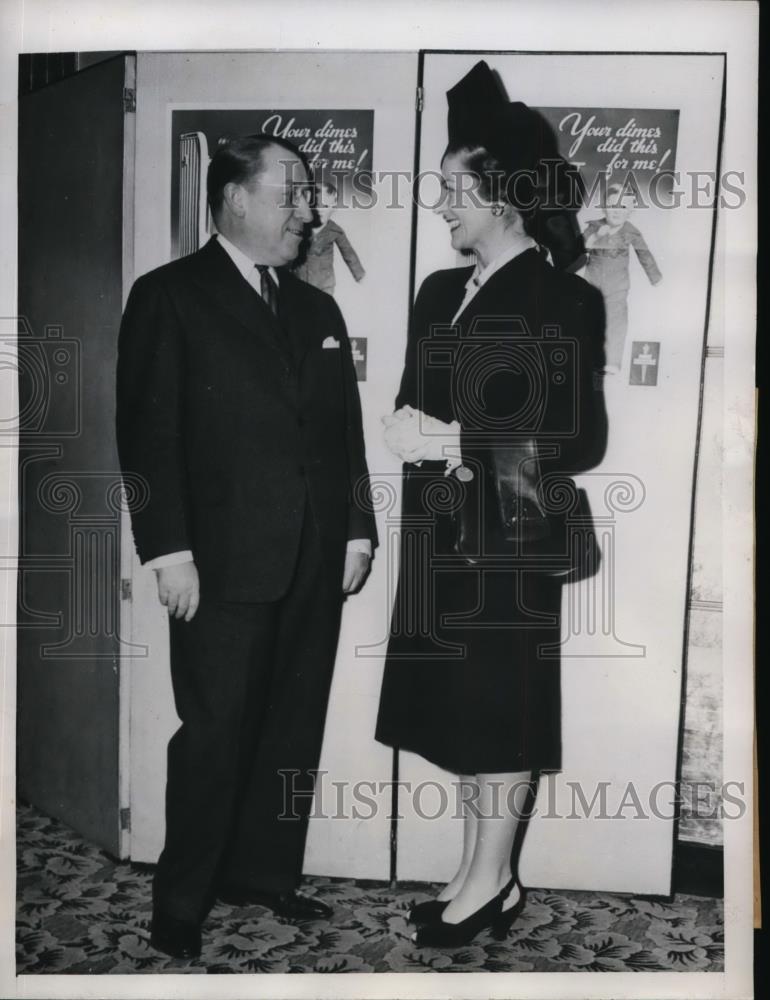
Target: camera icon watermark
x: 48, y: 371
x: 505, y: 377
x: 72, y: 501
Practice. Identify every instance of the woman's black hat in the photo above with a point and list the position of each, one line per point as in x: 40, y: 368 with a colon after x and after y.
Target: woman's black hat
x: 480, y: 114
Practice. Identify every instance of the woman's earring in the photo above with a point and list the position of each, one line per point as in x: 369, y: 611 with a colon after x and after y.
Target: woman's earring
x: 497, y: 210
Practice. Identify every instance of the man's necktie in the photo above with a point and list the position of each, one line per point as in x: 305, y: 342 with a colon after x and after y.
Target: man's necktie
x: 268, y: 288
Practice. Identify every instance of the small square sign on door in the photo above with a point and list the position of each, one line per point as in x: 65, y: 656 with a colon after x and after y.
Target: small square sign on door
x: 645, y: 355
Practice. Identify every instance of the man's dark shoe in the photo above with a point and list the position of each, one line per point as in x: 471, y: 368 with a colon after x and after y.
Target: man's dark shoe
x: 178, y: 938
x: 293, y: 905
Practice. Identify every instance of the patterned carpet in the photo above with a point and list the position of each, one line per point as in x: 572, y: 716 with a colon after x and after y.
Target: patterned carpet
x: 81, y: 912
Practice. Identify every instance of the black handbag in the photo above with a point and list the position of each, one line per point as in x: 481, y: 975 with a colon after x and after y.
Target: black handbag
x: 512, y: 515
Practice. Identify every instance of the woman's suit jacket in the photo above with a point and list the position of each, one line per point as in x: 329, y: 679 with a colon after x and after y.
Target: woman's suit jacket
x: 471, y: 678
x: 523, y: 359
x: 234, y: 423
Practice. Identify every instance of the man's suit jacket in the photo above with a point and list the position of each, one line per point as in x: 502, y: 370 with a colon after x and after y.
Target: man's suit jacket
x: 239, y: 426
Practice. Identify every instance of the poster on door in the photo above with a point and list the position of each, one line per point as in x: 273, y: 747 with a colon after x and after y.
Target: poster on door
x: 338, y: 148
x: 626, y: 159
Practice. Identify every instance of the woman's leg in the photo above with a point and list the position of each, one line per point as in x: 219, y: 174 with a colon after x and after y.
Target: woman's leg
x: 469, y: 791
x: 501, y: 803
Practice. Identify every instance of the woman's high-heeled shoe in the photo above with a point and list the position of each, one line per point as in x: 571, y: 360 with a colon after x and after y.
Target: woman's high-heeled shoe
x: 503, y: 923
x: 426, y: 913
x: 443, y: 935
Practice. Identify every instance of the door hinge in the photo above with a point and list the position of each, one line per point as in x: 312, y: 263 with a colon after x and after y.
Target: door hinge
x: 125, y: 590
x: 129, y: 100
x: 419, y: 99
x: 125, y: 819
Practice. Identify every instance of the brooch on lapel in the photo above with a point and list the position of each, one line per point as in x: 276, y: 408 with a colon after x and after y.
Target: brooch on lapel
x: 330, y: 343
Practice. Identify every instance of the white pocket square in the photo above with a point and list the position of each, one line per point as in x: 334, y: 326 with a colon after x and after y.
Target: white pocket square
x: 330, y: 343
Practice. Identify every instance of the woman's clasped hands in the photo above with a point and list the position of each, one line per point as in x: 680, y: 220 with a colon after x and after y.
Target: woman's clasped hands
x: 414, y: 436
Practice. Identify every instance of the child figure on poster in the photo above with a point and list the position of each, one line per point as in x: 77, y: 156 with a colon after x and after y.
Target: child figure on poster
x: 607, y: 243
x: 317, y: 265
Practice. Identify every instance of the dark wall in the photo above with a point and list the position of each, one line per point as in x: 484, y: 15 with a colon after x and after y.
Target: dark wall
x: 38, y: 69
x: 71, y: 140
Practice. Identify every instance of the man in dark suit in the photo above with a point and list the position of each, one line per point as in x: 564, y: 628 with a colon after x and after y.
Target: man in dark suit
x: 237, y: 404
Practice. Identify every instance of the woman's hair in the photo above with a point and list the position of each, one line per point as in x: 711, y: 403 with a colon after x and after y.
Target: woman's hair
x: 543, y: 196
x: 485, y: 166
x: 496, y: 183
x: 238, y: 161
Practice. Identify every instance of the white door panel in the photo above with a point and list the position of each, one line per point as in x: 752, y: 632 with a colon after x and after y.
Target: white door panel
x: 623, y: 631
x: 376, y: 309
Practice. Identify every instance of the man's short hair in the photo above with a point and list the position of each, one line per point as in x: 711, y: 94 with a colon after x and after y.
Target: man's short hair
x: 238, y: 161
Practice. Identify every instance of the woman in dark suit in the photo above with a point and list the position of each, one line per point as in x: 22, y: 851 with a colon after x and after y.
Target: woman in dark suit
x: 471, y: 681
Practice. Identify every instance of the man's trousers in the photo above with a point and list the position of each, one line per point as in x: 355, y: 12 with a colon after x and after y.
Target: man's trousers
x: 251, y: 685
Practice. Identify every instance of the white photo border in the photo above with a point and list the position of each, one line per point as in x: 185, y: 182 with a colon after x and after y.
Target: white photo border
x: 677, y: 25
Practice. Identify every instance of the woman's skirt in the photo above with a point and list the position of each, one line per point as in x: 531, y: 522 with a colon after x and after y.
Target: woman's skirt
x: 471, y: 679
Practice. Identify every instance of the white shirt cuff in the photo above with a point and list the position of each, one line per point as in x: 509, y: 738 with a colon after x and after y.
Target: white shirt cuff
x: 172, y: 559
x: 362, y: 545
